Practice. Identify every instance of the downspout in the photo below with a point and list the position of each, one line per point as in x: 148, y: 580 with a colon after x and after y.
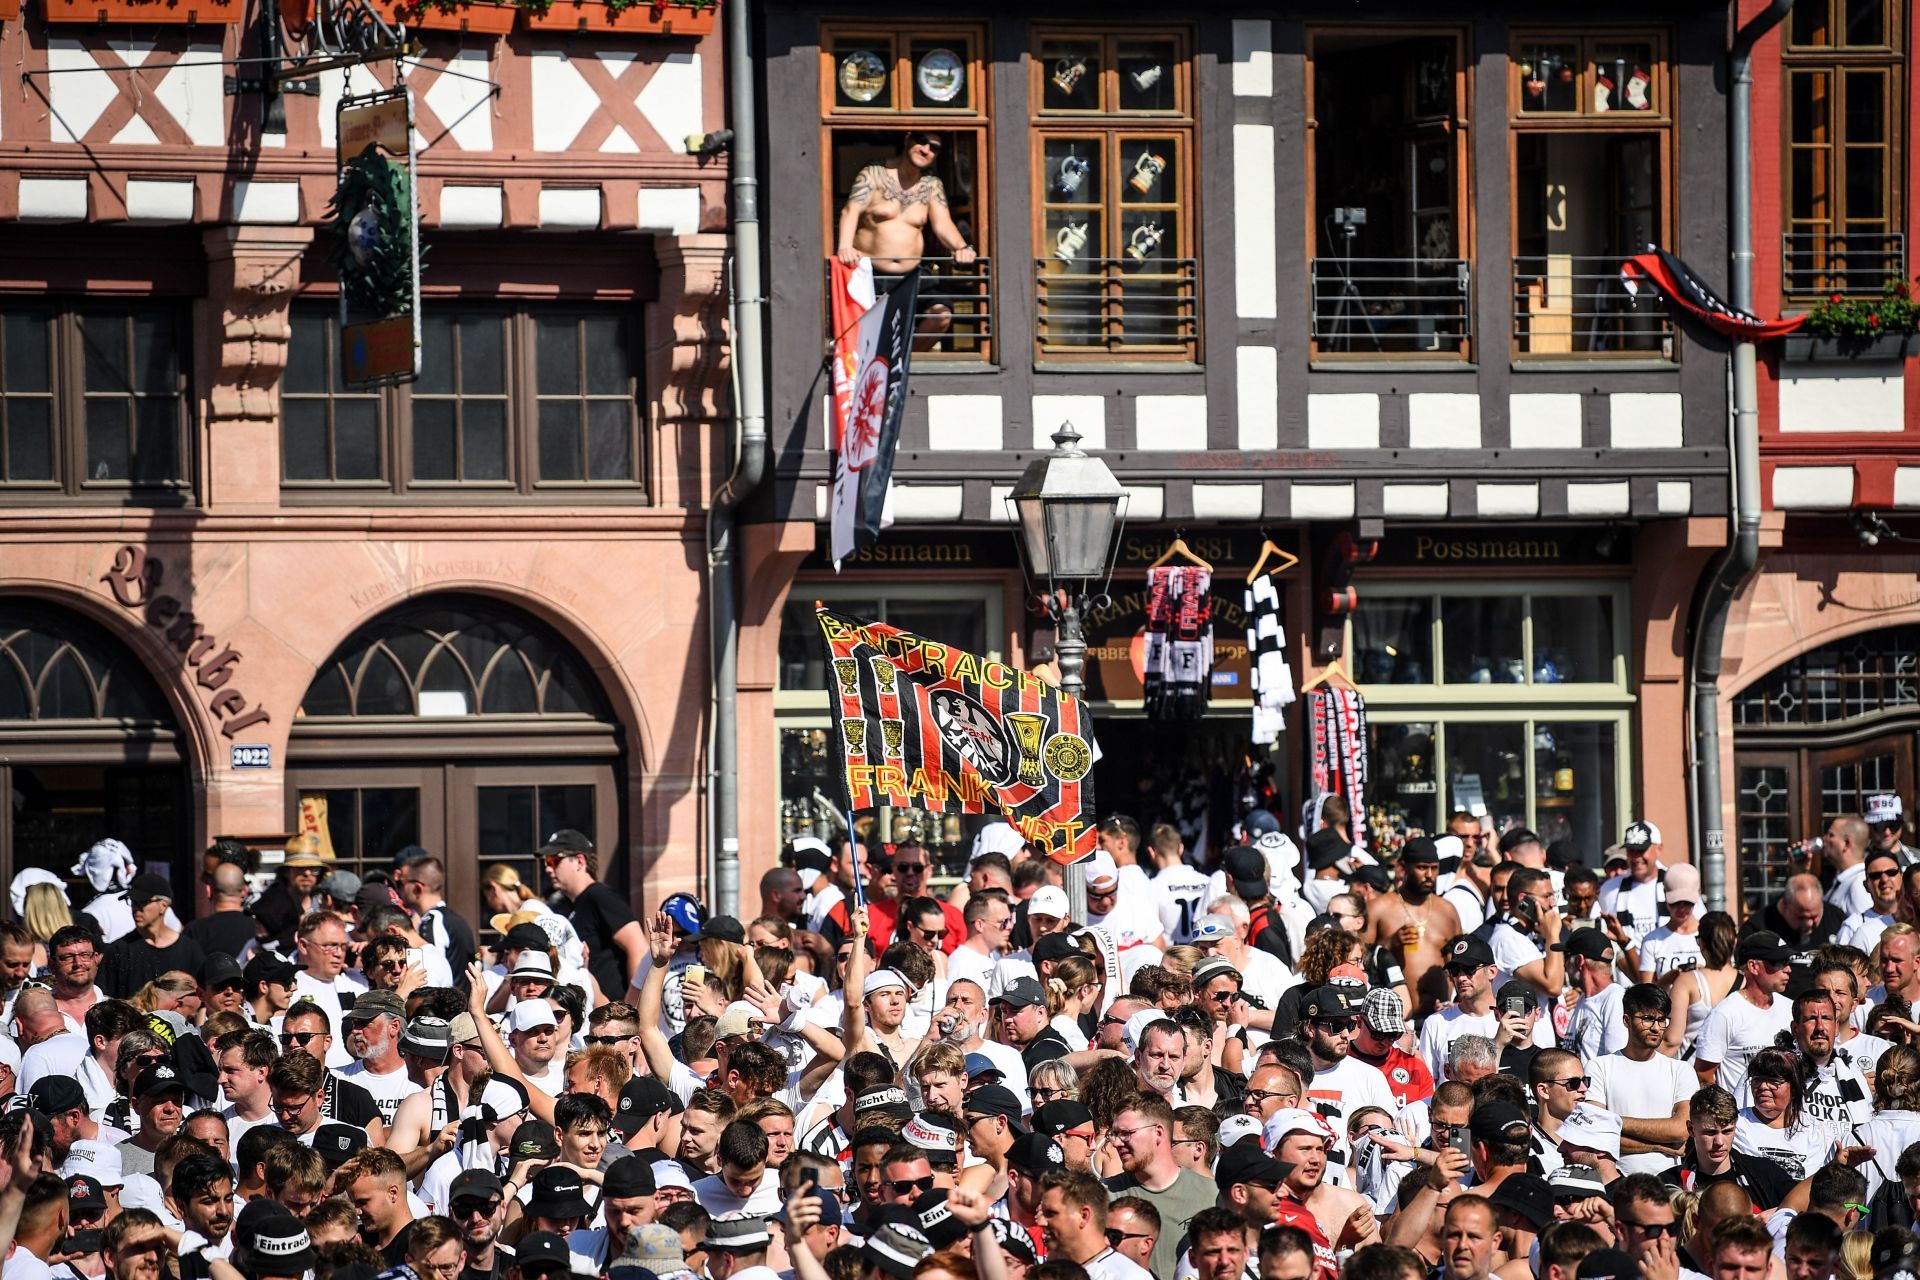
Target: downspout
x: 748, y: 301
x: 1733, y: 565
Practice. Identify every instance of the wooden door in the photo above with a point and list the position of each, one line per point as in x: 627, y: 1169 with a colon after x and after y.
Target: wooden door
x: 374, y: 811
x: 502, y: 813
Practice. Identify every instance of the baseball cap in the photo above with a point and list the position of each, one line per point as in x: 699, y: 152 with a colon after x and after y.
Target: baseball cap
x: 160, y: 1078
x: 531, y: 1015
x: 993, y: 1100
x: 341, y: 885
x: 264, y: 967
x: 270, y: 1241
x: 1288, y: 1121
x: 1022, y: 992
x: 1640, y: 835
x: 1058, y: 1117
x: 557, y: 1191
x: 1048, y: 900
x: 1035, y: 1153
x: 1683, y: 883
x: 1246, y: 867
x: 1385, y: 1015
x: 1609, y: 1264
x: 375, y: 1004
x: 1213, y: 967
x: 57, y: 1095
x: 1373, y: 875
x: 1498, y: 1122
x: 1054, y: 946
x: 1257, y: 823
x: 1763, y: 945
x: 535, y: 1140
x: 564, y: 841
x: 1249, y: 1163
x: 1212, y: 928
x: 1334, y: 1000
x: 475, y: 1184
x: 1468, y: 952
x: 377, y: 894
x: 1419, y: 849
x: 147, y: 887
x: 339, y: 1143
x: 1576, y: 1182
x: 725, y: 928
x: 737, y: 1019
x: 221, y: 970
x: 1884, y: 808
x: 543, y: 1251
x: 1237, y: 1128
x: 1589, y: 944
x: 628, y: 1176
x: 85, y: 1194
x: 685, y: 911
x: 1528, y: 1196
x: 1101, y: 871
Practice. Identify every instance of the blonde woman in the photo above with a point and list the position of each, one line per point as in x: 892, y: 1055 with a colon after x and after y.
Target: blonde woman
x: 514, y: 901
x: 177, y: 991
x: 1053, y: 1081
x: 1072, y: 989
x: 505, y: 892
x: 47, y: 912
x: 1856, y: 1256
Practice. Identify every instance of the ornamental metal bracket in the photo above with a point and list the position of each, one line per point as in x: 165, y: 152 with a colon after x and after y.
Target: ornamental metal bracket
x: 338, y: 34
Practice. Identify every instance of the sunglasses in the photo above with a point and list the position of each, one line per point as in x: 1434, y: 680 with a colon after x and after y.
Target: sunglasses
x: 1116, y: 1237
x: 925, y: 140
x: 606, y: 1039
x: 911, y: 1186
x: 468, y: 1208
x: 932, y: 935
x: 1571, y: 1082
x: 1893, y: 874
x: 299, y: 1039
x: 1653, y: 1230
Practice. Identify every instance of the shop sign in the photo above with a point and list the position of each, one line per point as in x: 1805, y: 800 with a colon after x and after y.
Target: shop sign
x: 135, y: 582
x: 924, y: 551
x: 1498, y: 549
x: 1117, y: 644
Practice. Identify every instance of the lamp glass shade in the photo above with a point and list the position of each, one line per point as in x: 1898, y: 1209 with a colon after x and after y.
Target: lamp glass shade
x: 1079, y: 536
x: 1066, y: 504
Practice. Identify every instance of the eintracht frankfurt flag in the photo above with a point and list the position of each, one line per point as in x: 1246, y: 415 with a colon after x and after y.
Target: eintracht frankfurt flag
x: 926, y: 726
x: 872, y: 347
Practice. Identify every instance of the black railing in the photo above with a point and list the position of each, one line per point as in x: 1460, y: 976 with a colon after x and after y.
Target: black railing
x: 1819, y: 264
x: 1566, y: 305
x: 1117, y: 305
x: 953, y: 315
x: 1403, y: 306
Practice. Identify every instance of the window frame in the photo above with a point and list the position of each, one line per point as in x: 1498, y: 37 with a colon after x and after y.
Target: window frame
x: 67, y: 397
x: 900, y: 115
x: 1657, y: 123
x: 394, y: 416
x: 1839, y: 62
x: 1114, y: 126
x: 1465, y: 195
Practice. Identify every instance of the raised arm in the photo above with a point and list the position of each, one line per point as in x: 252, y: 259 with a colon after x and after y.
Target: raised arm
x: 854, y: 1018
x: 499, y: 1056
x: 653, y: 988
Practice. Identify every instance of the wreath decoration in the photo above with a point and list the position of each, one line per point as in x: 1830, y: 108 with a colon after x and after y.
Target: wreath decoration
x: 372, y: 215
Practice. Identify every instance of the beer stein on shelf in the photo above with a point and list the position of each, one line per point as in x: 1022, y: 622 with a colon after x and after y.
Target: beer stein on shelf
x: 1145, y: 241
x: 1068, y: 72
x: 1146, y: 171
x: 1069, y: 241
x: 1072, y: 172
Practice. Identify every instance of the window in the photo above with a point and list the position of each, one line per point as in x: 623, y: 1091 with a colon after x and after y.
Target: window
x: 1389, y: 240
x: 542, y: 399
x: 965, y: 615
x: 1507, y: 701
x: 878, y: 84
x: 1845, y: 99
x: 1113, y: 140
x: 94, y: 399
x: 1593, y: 121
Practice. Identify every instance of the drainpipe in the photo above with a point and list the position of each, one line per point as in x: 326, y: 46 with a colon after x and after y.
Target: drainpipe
x: 748, y: 301
x: 1732, y: 566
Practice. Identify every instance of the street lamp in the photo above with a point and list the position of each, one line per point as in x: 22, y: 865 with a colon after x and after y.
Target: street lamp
x: 1068, y: 506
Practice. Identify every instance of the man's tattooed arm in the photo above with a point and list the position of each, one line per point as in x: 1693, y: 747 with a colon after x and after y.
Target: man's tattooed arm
x: 863, y: 186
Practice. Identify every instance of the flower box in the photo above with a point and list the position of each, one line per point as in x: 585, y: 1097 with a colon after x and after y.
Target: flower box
x: 221, y: 13
x: 478, y: 17
x: 1814, y: 348
x: 637, y: 19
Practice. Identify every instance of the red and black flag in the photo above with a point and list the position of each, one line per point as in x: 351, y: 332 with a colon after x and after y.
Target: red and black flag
x: 872, y: 349
x: 924, y: 725
x: 1693, y: 295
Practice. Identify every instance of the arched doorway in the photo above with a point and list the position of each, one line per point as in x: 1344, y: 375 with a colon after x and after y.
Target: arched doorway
x: 88, y: 747
x: 1814, y: 737
x: 462, y: 725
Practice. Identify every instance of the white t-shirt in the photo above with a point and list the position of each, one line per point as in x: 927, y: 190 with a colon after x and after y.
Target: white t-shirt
x: 1837, y: 1097
x: 23, y: 1265
x: 1662, y: 951
x: 1849, y: 889
x: 1180, y: 893
x: 327, y: 997
x: 1649, y: 1090
x: 1735, y: 1031
x: 1007, y: 1060
x: 1468, y: 903
x: 388, y: 1090
x: 1597, y: 1026
x: 1800, y: 1150
x: 1133, y: 922
x: 718, y: 1199
x: 972, y: 965
x: 1344, y: 1088
x: 1862, y: 929
x: 1106, y: 1265
x: 237, y: 1125
x: 1865, y: 1050
x: 1446, y: 1025
x: 1266, y: 975
x: 1069, y: 1030
x: 1643, y: 901
x: 59, y: 1055
x: 552, y: 1081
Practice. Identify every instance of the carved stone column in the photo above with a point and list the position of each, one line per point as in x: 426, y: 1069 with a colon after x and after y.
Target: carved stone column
x: 243, y: 328
x: 687, y: 356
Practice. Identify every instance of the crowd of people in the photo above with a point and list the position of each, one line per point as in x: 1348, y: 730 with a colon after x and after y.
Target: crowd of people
x: 1278, y: 1060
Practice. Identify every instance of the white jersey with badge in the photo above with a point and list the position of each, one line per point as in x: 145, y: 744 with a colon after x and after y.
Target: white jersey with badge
x: 1180, y: 892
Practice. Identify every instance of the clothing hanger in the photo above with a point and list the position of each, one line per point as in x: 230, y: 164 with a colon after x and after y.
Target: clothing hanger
x: 1337, y: 669
x: 1179, y: 547
x: 1268, y: 551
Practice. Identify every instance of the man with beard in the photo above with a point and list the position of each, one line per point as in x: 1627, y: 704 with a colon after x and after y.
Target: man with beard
x: 1142, y: 1136
x: 1158, y: 1060
x: 1750, y: 1016
x: 626, y: 1203
x: 476, y: 1202
x: 373, y: 1038
x: 1416, y: 924
x: 1649, y: 1091
x: 1336, y: 1218
x: 1836, y: 1094
x: 200, y: 1194
x: 1073, y: 1218
x: 1341, y: 1083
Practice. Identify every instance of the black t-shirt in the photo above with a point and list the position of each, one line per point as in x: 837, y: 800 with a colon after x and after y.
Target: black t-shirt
x: 345, y: 1102
x: 224, y: 933
x: 396, y: 1251
x: 502, y: 1260
x: 133, y: 962
x: 1045, y: 1047
x: 1286, y: 1010
x: 598, y: 914
x: 1765, y: 1182
x: 459, y: 943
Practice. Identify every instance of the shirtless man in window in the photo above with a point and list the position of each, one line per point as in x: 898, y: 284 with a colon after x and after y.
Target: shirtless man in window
x: 893, y: 205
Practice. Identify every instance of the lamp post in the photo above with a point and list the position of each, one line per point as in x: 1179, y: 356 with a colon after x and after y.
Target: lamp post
x: 1067, y: 505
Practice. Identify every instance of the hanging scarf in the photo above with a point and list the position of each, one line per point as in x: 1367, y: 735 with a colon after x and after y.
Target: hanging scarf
x: 1272, y: 678
x: 1179, y: 674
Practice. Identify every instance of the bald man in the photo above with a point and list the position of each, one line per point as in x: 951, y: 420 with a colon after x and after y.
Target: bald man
x: 781, y: 895
x: 226, y: 928
x: 1800, y: 915
x: 1844, y: 846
